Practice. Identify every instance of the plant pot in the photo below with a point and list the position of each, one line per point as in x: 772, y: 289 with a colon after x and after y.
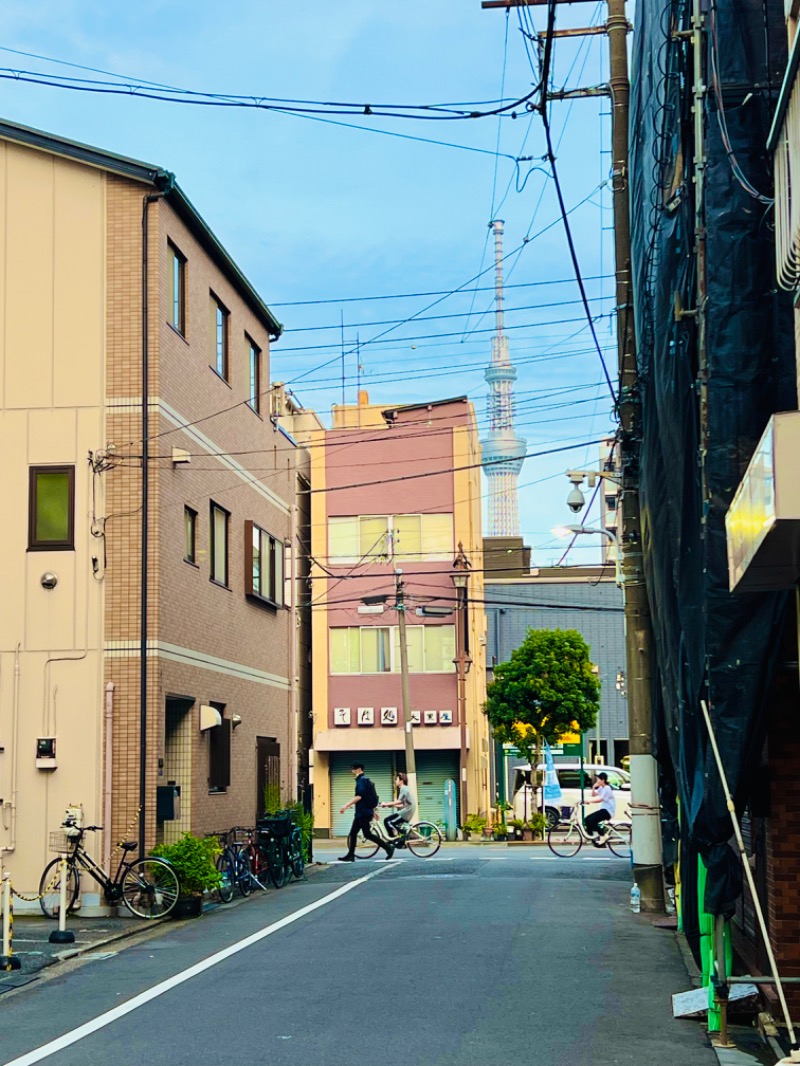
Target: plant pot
x: 527, y: 834
x: 500, y: 835
x: 487, y: 832
x: 187, y: 907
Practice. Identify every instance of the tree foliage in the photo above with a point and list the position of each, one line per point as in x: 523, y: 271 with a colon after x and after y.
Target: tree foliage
x: 547, y: 689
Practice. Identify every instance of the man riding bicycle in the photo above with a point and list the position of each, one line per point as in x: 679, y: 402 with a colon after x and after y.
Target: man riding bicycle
x: 405, y: 804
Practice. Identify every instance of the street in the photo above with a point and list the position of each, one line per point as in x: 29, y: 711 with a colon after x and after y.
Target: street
x: 480, y: 955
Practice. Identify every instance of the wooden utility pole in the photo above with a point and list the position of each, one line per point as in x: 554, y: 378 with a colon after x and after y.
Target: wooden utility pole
x: 405, y: 684
x: 638, y: 627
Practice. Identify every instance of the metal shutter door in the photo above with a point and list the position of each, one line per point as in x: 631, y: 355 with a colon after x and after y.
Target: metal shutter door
x: 379, y: 768
x: 433, y: 769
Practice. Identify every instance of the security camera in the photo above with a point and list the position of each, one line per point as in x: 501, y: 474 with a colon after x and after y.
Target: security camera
x: 575, y: 500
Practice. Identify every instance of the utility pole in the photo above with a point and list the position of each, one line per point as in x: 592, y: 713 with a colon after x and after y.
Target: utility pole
x: 405, y: 684
x: 647, y: 869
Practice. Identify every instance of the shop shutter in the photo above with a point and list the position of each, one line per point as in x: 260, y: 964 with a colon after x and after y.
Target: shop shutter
x: 379, y: 768
x: 433, y: 769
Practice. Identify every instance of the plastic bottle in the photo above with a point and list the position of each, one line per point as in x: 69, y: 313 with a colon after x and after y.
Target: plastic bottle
x: 636, y: 899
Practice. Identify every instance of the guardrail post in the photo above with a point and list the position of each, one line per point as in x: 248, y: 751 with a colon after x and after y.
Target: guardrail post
x: 62, y: 935
x: 8, y: 960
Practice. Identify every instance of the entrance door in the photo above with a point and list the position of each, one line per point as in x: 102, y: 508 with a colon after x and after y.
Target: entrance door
x: 268, y: 774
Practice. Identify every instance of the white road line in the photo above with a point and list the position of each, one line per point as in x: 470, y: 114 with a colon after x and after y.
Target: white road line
x: 102, y: 1020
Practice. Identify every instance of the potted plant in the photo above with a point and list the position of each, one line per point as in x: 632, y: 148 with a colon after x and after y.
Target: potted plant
x: 194, y: 860
x: 515, y: 825
x: 527, y: 831
x: 500, y: 828
x: 473, y: 823
x: 537, y: 823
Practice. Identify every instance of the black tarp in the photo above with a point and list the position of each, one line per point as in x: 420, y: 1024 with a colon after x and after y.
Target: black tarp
x: 710, y: 644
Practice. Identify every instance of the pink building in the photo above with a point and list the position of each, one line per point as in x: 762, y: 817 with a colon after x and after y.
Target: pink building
x: 394, y: 494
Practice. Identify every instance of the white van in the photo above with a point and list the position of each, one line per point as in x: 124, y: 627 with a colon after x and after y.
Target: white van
x: 524, y: 803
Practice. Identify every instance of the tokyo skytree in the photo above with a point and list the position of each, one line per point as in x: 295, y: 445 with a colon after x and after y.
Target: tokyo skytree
x: 503, y: 451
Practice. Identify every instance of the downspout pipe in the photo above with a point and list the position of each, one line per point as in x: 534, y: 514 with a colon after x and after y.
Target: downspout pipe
x: 168, y: 183
x: 108, y: 781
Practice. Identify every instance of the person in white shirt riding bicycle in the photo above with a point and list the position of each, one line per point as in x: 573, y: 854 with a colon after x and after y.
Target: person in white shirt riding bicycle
x: 602, y: 794
x: 406, y: 806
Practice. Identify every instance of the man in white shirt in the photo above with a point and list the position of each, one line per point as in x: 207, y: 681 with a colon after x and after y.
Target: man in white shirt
x: 602, y: 794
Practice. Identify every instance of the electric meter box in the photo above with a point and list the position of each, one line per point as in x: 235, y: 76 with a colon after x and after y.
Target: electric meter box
x: 46, y: 753
x: 75, y: 813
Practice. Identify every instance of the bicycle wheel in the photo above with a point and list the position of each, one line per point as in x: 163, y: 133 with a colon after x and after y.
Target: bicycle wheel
x: 423, y: 839
x: 565, y: 840
x: 279, y: 869
x: 225, y: 867
x: 150, y: 888
x: 619, y: 841
x: 242, y: 866
x: 296, y: 853
x: 366, y: 849
x: 50, y: 888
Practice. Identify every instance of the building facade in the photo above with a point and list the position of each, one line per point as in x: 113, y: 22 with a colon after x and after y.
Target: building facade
x: 584, y: 598
x: 395, y: 497
x: 137, y: 441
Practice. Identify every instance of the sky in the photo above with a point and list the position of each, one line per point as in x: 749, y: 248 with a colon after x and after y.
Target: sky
x: 321, y: 216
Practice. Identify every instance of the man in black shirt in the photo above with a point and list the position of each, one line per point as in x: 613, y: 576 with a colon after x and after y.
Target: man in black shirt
x: 364, y: 814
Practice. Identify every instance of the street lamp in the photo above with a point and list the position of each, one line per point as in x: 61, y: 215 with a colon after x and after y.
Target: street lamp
x: 462, y: 663
x: 565, y: 531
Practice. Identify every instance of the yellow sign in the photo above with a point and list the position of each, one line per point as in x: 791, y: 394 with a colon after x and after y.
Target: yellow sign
x: 571, y: 738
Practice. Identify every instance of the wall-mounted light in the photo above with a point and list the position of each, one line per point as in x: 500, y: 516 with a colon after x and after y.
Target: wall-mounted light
x: 236, y: 720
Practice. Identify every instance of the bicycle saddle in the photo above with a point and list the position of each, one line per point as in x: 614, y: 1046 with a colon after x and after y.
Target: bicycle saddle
x: 129, y: 845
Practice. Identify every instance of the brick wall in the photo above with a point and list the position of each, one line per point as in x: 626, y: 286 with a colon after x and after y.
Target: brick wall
x: 239, y: 460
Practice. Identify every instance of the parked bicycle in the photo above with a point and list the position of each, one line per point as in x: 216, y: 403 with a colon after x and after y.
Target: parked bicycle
x: 567, y: 838
x: 421, y: 838
x: 282, y: 840
x: 148, y: 887
x: 233, y: 865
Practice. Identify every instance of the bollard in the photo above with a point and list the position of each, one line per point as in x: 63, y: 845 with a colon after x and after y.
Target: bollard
x: 62, y: 935
x: 8, y: 960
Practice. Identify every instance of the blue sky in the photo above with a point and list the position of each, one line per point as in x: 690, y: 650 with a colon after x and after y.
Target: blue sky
x: 314, y: 211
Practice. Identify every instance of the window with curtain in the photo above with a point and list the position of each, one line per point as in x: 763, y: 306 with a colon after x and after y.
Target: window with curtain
x: 427, y: 537
x: 376, y: 649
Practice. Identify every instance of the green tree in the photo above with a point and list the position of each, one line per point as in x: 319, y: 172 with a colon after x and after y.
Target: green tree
x: 547, y: 689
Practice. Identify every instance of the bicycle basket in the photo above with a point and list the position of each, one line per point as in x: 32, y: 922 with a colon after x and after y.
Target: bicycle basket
x: 276, y: 825
x: 62, y: 842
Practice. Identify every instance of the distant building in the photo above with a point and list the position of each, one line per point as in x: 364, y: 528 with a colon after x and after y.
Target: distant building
x: 584, y: 598
x: 396, y: 489
x: 77, y: 418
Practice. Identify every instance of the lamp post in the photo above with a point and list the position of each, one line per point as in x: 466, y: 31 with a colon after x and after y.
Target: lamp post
x: 562, y: 531
x: 462, y: 663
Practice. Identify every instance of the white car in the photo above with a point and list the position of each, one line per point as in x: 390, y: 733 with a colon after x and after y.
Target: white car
x: 524, y: 803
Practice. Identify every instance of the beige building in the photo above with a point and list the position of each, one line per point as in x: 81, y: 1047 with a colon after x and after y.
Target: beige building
x: 397, y: 490
x: 82, y: 434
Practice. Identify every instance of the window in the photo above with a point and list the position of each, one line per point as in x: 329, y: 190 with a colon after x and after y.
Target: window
x: 219, y: 753
x: 51, y: 508
x: 264, y: 565
x: 255, y: 376
x: 219, y: 316
x: 189, y: 535
x: 219, y: 544
x: 178, y: 274
x: 427, y: 537
x: 376, y: 649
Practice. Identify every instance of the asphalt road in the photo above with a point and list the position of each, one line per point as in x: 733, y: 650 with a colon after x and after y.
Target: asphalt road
x: 476, y: 957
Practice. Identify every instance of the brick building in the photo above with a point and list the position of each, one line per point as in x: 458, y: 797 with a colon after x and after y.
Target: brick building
x: 79, y: 427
